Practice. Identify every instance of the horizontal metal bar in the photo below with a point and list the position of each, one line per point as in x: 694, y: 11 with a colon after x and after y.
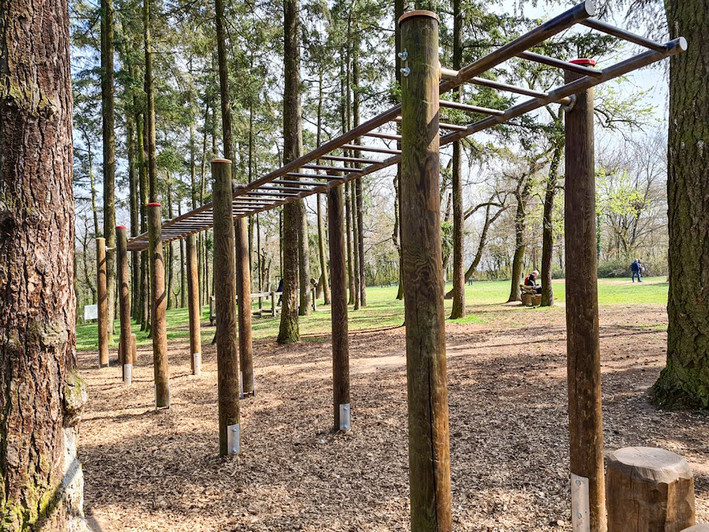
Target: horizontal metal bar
x: 558, y: 63
x: 614, y: 71
x: 604, y: 27
x: 268, y: 187
x: 347, y: 159
x: 303, y: 183
x: 538, y: 35
x: 373, y: 149
x: 386, y: 136
x: 314, y: 176
x: 269, y: 193
x: 470, y: 108
x: 329, y: 168
x: 452, y: 127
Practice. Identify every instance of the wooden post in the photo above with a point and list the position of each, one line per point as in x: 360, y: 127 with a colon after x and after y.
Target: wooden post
x: 133, y: 348
x: 649, y: 489
x: 101, y: 286
x: 588, y: 508
x: 340, y: 341
x: 314, y: 296
x: 124, y: 353
x: 429, y: 452
x: 273, y: 303
x: 243, y: 292
x: 195, y: 309
x: 158, y: 307
x: 225, y: 296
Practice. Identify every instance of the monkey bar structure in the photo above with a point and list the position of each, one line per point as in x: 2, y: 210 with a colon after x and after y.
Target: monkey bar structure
x: 363, y: 151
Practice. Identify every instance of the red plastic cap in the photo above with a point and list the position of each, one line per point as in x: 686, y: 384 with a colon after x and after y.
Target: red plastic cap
x: 155, y: 204
x: 120, y: 227
x: 584, y: 61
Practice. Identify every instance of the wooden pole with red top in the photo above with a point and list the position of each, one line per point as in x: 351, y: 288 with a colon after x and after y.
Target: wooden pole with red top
x: 582, y: 343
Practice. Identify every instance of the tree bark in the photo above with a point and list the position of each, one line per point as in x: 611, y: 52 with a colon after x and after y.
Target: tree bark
x: 458, y: 309
x: 292, y: 148
x: 40, y: 394
x: 152, y: 168
x: 684, y: 382
x: 548, y: 227
x: 522, y: 194
x: 109, y: 154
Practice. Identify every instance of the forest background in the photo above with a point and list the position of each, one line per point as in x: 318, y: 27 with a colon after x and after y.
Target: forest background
x: 512, y: 185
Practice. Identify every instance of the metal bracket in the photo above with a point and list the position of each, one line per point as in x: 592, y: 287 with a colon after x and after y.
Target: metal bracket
x: 580, y: 507
x: 345, y: 417
x: 568, y: 107
x: 197, y: 361
x: 405, y: 70
x: 233, y: 439
x: 128, y: 373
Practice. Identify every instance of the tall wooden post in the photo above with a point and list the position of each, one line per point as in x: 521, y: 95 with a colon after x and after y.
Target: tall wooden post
x: 225, y: 296
x: 195, y: 309
x: 125, y: 354
x: 583, y: 354
x: 158, y: 307
x: 101, y: 283
x: 243, y: 291
x: 338, y: 298
x: 429, y: 453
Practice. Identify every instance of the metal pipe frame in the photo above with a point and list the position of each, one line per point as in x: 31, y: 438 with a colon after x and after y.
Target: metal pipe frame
x: 287, y: 190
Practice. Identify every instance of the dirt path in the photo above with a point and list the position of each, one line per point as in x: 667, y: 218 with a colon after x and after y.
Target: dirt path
x: 509, y: 447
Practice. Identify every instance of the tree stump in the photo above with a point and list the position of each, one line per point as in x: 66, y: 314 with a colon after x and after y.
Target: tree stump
x: 648, y: 489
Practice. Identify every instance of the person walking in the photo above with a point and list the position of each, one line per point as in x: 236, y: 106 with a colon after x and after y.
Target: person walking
x: 636, y: 270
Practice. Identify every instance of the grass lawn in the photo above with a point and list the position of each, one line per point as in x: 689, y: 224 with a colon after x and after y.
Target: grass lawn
x: 383, y: 310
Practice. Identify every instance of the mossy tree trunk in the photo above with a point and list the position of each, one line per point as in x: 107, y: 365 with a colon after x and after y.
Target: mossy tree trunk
x: 37, y: 336
x: 684, y: 383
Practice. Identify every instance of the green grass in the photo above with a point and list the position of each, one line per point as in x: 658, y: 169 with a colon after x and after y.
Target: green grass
x: 383, y: 310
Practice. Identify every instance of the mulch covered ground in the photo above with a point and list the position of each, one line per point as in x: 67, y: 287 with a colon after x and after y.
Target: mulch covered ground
x: 148, y: 470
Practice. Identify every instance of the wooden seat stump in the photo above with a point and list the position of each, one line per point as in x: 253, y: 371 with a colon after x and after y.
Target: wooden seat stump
x: 648, y: 489
x: 530, y: 298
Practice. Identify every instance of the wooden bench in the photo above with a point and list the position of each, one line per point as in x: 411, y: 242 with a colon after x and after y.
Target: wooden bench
x: 254, y: 295
x: 530, y: 298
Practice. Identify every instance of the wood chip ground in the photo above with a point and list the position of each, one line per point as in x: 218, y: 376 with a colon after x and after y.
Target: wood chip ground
x: 148, y: 470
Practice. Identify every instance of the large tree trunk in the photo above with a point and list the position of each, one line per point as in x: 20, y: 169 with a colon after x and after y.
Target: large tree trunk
x: 292, y: 146
x: 685, y: 380
x: 40, y: 395
x: 548, y: 227
x: 458, y: 310
x: 109, y: 154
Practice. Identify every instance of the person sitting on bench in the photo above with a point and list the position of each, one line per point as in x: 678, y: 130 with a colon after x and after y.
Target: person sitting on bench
x: 531, y: 281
